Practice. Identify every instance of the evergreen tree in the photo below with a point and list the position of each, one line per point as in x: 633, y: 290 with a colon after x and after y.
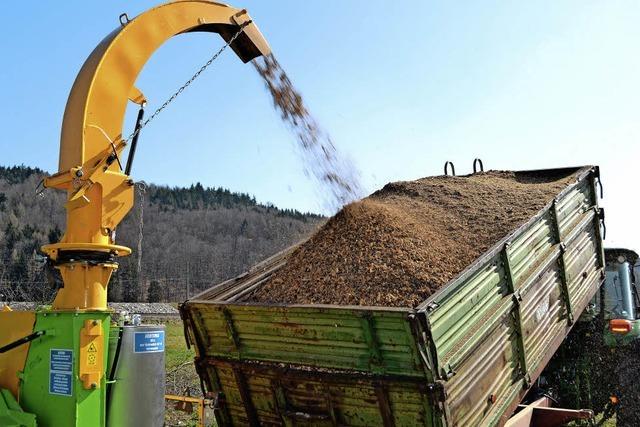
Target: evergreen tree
x: 54, y: 235
x: 131, y: 285
x: 220, y: 232
x: 155, y: 292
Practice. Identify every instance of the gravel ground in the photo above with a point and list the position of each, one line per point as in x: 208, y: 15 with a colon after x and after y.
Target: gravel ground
x: 131, y: 307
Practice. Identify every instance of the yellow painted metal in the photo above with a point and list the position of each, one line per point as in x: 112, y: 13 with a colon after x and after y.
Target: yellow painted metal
x: 190, y: 400
x: 99, y: 194
x: 136, y: 96
x: 85, y: 286
x: 13, y: 326
x: 91, y: 363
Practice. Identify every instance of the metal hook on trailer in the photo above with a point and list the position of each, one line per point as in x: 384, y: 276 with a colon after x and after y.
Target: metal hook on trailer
x: 477, y: 162
x: 124, y: 19
x: 446, y: 168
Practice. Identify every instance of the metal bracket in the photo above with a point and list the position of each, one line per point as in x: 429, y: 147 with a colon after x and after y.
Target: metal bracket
x: 598, y: 180
x: 564, y: 288
x: 231, y: 330
x: 437, y: 391
x: 91, y: 354
x: 371, y: 338
x: 517, y: 297
x: 432, y: 306
x: 448, y: 371
x: 384, y: 405
x: 517, y: 314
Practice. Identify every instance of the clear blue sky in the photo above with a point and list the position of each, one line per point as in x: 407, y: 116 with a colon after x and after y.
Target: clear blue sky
x: 401, y: 87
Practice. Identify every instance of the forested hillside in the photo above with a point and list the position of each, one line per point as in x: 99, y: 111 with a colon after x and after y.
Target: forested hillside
x: 190, y: 238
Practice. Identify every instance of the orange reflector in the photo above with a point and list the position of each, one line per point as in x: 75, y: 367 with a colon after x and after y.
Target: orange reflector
x: 614, y: 400
x: 620, y: 326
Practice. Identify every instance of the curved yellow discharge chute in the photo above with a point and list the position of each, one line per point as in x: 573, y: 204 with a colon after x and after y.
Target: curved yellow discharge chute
x: 100, y: 194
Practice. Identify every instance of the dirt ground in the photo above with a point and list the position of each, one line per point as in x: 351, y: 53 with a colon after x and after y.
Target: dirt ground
x: 585, y: 372
x: 405, y: 241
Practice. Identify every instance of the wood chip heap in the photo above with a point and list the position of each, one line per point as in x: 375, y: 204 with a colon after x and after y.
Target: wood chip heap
x: 407, y: 240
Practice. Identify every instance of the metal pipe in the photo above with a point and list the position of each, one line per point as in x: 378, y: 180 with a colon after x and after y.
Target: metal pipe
x: 134, y: 141
x: 23, y: 340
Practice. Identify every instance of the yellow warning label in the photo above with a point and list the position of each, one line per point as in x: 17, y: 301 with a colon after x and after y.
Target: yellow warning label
x: 92, y: 349
x: 91, y: 359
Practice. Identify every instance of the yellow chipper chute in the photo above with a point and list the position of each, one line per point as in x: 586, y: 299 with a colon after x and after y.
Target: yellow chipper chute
x: 67, y: 365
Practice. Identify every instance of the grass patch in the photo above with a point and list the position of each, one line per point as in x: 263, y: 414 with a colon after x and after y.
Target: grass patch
x: 176, y: 351
x: 182, y: 378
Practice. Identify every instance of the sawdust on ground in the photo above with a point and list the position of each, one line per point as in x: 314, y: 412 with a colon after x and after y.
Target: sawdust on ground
x: 405, y: 241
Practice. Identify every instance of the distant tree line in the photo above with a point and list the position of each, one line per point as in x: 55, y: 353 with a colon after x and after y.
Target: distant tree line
x: 197, y: 197
x: 18, y: 174
x: 191, y: 238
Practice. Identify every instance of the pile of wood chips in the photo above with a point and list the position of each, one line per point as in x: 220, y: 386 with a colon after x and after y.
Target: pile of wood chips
x: 405, y: 241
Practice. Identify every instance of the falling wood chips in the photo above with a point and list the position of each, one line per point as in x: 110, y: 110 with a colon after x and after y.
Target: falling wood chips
x: 404, y: 242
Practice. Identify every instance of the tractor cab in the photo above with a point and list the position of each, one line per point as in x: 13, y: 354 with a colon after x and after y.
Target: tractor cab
x: 618, y: 297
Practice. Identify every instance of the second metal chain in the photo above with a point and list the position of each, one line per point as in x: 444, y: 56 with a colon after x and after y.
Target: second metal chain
x: 142, y: 188
x: 184, y: 86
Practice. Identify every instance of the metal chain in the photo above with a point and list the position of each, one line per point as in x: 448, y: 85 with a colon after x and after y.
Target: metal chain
x: 142, y: 188
x: 40, y: 188
x: 184, y: 86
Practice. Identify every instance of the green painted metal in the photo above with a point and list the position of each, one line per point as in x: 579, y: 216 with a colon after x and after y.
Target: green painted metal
x: 618, y: 301
x: 378, y: 340
x: 11, y: 414
x: 466, y: 356
x: 564, y: 288
x: 84, y: 408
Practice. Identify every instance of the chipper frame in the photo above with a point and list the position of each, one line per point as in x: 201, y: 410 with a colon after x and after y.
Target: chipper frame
x: 53, y: 362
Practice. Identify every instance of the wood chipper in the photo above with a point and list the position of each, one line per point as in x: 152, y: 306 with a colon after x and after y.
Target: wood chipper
x: 68, y: 365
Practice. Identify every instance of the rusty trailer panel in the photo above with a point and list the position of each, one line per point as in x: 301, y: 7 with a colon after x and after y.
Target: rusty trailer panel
x: 265, y: 394
x: 466, y: 356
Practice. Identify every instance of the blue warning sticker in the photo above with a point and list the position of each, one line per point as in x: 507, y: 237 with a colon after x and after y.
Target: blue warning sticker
x: 148, y: 342
x: 61, y: 360
x: 61, y: 372
x: 60, y: 383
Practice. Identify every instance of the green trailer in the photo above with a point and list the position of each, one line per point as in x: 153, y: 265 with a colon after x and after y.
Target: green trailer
x: 464, y: 357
